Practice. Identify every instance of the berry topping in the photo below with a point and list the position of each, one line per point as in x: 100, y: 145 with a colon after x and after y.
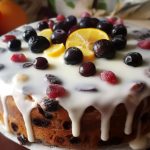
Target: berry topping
x: 119, y: 29
x: 86, y: 88
x: 38, y: 44
x: 73, y: 28
x: 119, y: 42
x: 14, y: 45
x: 72, y: 20
x: 112, y: 20
x: 27, y: 34
x: 73, y: 56
x: 49, y: 105
x: 53, y: 79
x: 18, y: 58
x: 8, y: 38
x: 42, y: 25
x: 58, y: 36
x: 40, y: 122
x: 109, y: 77
x: 40, y: 63
x: 54, y: 91
x: 60, y: 18
x: 2, y: 66
x: 133, y: 59
x: 87, y: 69
x: 86, y: 22
x: 64, y: 25
x: 51, y: 24
x: 144, y: 44
x: 104, y: 49
x: 105, y: 26
x: 85, y: 14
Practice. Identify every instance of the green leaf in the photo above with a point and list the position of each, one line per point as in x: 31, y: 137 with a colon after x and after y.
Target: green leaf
x: 70, y: 3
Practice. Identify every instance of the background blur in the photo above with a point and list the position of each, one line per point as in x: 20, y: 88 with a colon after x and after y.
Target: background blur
x: 14, y: 13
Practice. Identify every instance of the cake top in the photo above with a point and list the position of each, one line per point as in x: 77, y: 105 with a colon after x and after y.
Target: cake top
x: 89, y: 62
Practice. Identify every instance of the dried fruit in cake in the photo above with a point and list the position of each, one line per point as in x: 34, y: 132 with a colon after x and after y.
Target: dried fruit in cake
x: 84, y: 40
x: 28, y: 33
x: 46, y: 33
x: 53, y: 79
x: 18, y: 58
x: 55, y: 91
x: 87, y: 69
x: 40, y: 63
x: 73, y: 56
x: 119, y: 42
x: 104, y: 49
x: 14, y: 45
x: 38, y: 44
x: 119, y: 29
x: 40, y: 122
x: 8, y: 37
x: 144, y: 44
x: 58, y: 36
x: 133, y: 59
x: 72, y: 20
x: 109, y: 77
x: 42, y: 25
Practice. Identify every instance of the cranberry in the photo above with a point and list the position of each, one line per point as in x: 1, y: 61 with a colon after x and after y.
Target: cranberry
x: 109, y: 77
x: 85, y: 14
x: 112, y: 20
x: 60, y: 18
x: 40, y: 63
x: 54, y: 91
x: 18, y: 58
x: 87, y: 69
x: 144, y: 44
x: 51, y: 24
x: 8, y: 38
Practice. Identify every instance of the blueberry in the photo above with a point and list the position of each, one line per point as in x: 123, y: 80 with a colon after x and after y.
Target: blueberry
x: 133, y: 59
x: 119, y: 42
x: 42, y: 25
x: 73, y: 56
x: 105, y: 26
x: 119, y: 29
x: 72, y: 20
x: 86, y: 22
x: 64, y: 25
x: 87, y: 69
x: 27, y: 34
x: 53, y: 79
x: 58, y: 36
x: 14, y: 45
x: 104, y: 49
x: 40, y: 63
x: 95, y: 22
x: 38, y: 44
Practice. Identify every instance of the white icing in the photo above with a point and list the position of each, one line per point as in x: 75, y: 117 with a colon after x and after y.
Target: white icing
x: 105, y: 100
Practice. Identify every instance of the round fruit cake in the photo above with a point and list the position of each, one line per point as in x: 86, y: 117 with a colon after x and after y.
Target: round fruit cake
x: 76, y: 83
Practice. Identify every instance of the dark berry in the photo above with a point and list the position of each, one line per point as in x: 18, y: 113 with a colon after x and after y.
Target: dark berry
x: 67, y: 125
x: 53, y: 79
x: 18, y: 58
x: 72, y: 20
x: 74, y: 140
x: 95, y: 22
x: 22, y: 139
x: 27, y: 34
x: 73, y: 28
x: 119, y: 30
x: 119, y: 42
x: 73, y: 56
x: 49, y: 105
x: 38, y: 44
x: 2, y: 66
x: 42, y: 25
x: 54, y: 91
x: 133, y: 59
x: 8, y: 38
x: 64, y: 25
x: 14, y: 127
x: 105, y: 26
x: 58, y: 36
x: 40, y: 63
x: 60, y: 18
x: 87, y: 69
x: 14, y: 45
x: 86, y: 22
x: 104, y: 49
x: 40, y: 122
x: 109, y: 77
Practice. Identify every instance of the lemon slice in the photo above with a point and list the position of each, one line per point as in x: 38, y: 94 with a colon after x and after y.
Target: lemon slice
x: 46, y: 33
x: 55, y: 50
x: 84, y: 39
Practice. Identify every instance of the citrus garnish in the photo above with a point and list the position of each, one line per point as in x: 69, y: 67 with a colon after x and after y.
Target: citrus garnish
x: 55, y: 50
x: 84, y: 40
x: 46, y: 33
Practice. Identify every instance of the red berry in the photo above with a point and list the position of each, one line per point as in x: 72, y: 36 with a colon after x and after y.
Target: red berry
x: 112, y: 20
x: 8, y: 38
x: 109, y: 77
x: 18, y: 58
x: 54, y: 91
x: 60, y: 18
x: 144, y: 44
x: 119, y: 21
x: 85, y: 14
x: 51, y: 24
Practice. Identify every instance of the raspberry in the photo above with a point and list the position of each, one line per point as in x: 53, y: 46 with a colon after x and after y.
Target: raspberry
x: 144, y: 44
x: 8, y: 38
x: 54, y: 91
x: 60, y: 18
x: 18, y: 58
x: 109, y: 77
